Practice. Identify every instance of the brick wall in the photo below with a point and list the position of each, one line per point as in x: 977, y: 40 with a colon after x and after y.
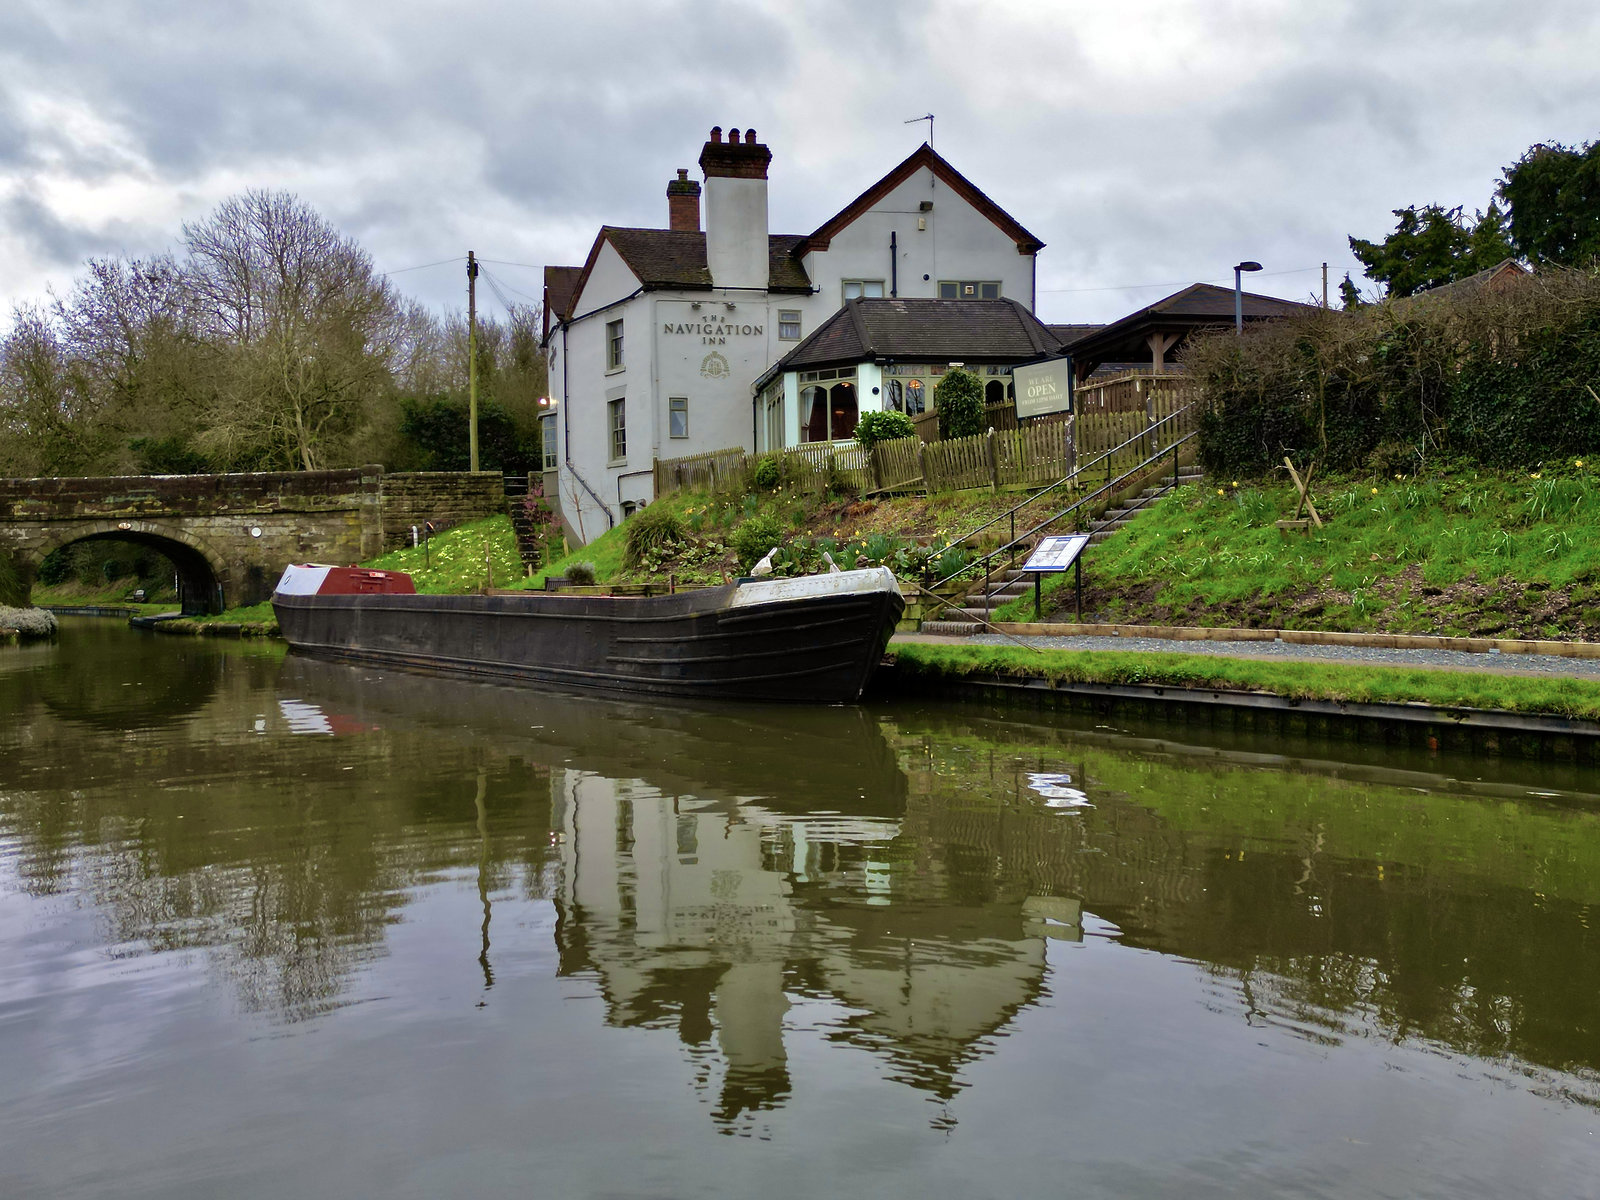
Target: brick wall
x: 448, y: 497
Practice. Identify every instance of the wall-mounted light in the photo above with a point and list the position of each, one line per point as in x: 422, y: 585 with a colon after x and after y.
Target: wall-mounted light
x: 124, y: 525
x: 729, y: 305
x: 255, y: 531
x: 696, y: 304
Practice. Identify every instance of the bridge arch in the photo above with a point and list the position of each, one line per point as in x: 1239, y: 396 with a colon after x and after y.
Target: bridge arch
x: 203, y: 575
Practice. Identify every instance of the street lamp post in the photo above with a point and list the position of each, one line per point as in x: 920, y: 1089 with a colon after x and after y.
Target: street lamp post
x: 1238, y: 294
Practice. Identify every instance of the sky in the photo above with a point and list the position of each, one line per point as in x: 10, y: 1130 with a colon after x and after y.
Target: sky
x: 1148, y: 144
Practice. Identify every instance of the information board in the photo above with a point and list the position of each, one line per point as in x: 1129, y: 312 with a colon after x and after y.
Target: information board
x: 1043, y: 388
x: 1056, y: 553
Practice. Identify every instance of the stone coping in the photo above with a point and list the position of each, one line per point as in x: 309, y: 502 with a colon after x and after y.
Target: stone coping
x: 1306, y: 637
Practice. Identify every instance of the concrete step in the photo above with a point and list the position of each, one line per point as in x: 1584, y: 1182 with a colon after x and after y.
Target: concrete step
x: 951, y: 628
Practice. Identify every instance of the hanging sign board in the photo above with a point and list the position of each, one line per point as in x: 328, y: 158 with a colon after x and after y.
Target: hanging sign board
x: 1043, y: 388
x: 1056, y: 553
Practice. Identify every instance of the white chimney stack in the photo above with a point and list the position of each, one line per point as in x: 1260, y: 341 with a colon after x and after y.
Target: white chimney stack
x: 736, y: 209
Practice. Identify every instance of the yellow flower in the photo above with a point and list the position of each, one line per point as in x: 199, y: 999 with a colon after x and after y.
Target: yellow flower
x: 1536, y: 474
x: 1578, y: 462
x: 1374, y: 491
x: 1220, y: 492
x: 1235, y: 483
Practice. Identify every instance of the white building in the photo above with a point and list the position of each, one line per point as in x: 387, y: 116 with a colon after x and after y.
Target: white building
x: 656, y: 342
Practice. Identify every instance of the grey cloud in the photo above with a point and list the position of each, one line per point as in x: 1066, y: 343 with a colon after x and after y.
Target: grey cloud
x: 544, y: 120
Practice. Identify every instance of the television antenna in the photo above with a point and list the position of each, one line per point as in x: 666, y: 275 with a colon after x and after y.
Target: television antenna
x: 929, y: 119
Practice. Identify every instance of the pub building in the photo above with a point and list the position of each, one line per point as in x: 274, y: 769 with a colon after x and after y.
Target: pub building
x: 664, y: 343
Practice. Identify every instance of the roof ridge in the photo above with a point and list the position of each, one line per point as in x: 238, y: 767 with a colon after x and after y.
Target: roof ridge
x: 853, y: 307
x: 924, y: 155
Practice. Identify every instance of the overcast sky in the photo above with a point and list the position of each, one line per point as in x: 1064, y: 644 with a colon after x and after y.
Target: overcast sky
x: 1149, y: 144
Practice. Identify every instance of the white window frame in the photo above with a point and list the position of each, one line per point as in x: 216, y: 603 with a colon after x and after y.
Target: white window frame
x: 675, y: 405
x: 861, y: 286
x: 548, y: 435
x: 788, y: 317
x: 614, y: 348
x: 617, y: 431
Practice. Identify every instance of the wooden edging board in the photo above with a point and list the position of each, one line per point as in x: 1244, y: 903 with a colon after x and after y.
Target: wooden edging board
x: 1306, y: 637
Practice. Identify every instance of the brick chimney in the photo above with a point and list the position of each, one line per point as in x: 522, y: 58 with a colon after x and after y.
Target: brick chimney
x: 736, y: 209
x: 683, y: 203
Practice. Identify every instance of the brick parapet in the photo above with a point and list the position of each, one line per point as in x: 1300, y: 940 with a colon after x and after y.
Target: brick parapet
x: 443, y: 497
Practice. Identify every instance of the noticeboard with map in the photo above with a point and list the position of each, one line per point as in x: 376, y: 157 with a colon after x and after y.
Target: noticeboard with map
x: 1056, y: 553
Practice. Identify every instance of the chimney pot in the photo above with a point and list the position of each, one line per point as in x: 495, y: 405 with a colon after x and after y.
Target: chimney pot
x: 716, y: 133
x: 733, y: 137
x: 683, y: 172
x: 749, y: 137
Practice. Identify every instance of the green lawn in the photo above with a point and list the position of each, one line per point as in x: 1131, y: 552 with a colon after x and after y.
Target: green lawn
x: 1293, y: 680
x: 1470, y: 553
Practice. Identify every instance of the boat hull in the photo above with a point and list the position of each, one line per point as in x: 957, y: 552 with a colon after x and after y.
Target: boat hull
x: 814, y: 640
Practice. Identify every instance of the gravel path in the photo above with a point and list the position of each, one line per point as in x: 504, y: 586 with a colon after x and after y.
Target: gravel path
x: 1452, y: 660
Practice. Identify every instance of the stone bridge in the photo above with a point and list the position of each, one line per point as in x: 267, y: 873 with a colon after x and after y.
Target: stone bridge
x: 230, y: 536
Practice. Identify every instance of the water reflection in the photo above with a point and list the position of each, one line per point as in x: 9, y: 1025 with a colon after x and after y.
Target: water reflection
x: 903, y: 884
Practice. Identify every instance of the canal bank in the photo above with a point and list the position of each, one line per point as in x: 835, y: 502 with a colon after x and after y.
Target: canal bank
x: 1537, y: 701
x: 1435, y: 707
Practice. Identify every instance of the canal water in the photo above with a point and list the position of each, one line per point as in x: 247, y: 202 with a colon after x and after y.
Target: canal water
x: 274, y: 927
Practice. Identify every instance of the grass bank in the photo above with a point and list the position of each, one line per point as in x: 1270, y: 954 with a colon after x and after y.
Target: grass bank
x: 703, y: 538
x: 1292, y: 681
x: 1464, y: 554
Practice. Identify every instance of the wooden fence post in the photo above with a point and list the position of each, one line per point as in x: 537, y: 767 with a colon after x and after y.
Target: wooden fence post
x: 922, y: 467
x: 994, y: 460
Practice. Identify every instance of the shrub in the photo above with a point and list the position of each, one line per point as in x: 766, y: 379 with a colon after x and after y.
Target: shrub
x: 656, y: 528
x: 754, y: 537
x: 581, y: 573
x: 958, y: 399
x: 766, y: 474
x: 1496, y: 377
x: 953, y: 561
x: 875, y: 427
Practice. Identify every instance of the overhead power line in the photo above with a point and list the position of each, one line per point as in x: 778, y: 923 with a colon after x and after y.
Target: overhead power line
x: 1136, y: 287
x: 422, y: 266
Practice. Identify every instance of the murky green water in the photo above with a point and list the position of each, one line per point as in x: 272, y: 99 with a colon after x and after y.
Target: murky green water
x: 271, y: 927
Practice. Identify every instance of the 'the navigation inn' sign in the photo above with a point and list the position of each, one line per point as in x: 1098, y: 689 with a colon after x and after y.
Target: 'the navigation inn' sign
x: 711, y: 333
x: 1043, y: 388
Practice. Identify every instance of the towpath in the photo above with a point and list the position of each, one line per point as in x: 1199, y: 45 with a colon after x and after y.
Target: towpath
x: 1547, y: 665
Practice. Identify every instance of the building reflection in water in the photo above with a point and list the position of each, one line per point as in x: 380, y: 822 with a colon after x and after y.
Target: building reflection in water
x: 706, y: 917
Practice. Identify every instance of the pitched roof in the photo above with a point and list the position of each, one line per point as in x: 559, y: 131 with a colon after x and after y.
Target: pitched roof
x: 923, y: 156
x: 1073, y: 333
x: 676, y: 258
x: 1197, y: 306
x: 560, y: 285
x: 1506, y: 271
x: 919, y: 329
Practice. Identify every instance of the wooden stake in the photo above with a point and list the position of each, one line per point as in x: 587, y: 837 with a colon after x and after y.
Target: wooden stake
x: 1304, y: 494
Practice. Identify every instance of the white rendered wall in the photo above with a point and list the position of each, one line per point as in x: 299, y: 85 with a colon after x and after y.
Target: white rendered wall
x: 958, y: 243
x: 736, y: 231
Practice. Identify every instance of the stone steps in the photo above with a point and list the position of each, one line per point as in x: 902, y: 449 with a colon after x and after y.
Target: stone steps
x: 1014, y: 583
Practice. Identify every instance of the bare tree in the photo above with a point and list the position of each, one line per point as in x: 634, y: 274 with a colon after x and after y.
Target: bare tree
x: 47, y: 415
x: 128, y: 331
x: 311, y: 330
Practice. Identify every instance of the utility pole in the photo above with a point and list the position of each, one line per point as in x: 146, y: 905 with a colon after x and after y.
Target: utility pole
x: 472, y: 360
x: 1324, y: 285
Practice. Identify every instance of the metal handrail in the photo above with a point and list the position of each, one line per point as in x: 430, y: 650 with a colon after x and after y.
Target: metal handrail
x: 1108, y: 486
x: 1069, y: 478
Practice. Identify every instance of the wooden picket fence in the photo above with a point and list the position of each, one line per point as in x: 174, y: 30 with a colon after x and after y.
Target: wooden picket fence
x: 716, y: 470
x: 1039, y: 453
